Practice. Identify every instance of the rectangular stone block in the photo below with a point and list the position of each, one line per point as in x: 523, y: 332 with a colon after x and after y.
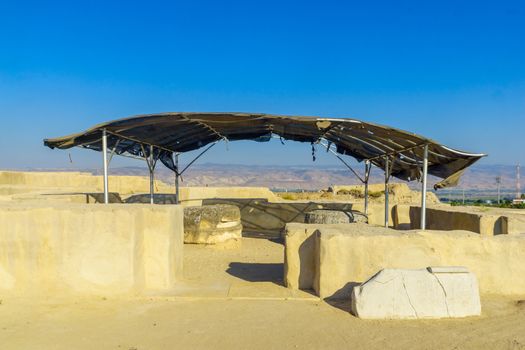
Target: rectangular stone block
x: 348, y: 257
x: 443, y: 219
x: 439, y: 292
x: 90, y: 249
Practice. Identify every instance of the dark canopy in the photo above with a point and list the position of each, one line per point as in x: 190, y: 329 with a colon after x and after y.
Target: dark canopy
x: 183, y: 132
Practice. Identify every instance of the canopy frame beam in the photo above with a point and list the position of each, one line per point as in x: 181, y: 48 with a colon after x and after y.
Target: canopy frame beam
x: 342, y: 161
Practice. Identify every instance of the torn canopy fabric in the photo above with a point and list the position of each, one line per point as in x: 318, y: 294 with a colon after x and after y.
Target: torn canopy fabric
x: 178, y: 132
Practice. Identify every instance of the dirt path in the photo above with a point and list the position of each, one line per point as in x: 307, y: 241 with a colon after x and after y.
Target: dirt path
x: 234, y: 299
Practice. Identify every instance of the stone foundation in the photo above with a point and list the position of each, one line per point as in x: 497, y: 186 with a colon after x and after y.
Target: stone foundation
x: 448, y: 219
x: 90, y: 249
x: 331, y: 259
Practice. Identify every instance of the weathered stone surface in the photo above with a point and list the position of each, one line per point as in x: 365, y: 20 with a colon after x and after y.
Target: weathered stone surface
x: 426, y: 293
x: 69, y: 248
x: 398, y: 193
x: 212, y: 224
x: 483, y: 220
x: 328, y: 217
x: 268, y: 219
x: 331, y: 259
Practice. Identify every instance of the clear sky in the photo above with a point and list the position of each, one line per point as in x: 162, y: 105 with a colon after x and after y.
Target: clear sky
x: 453, y: 71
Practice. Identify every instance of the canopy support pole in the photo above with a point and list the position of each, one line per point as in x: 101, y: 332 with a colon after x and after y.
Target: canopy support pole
x: 151, y: 161
x: 177, y: 175
x: 151, y: 167
x: 387, y: 178
x: 368, y: 167
x: 424, y: 189
x: 105, y: 160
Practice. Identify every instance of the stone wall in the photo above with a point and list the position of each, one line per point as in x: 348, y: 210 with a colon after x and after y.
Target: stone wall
x: 89, y: 249
x: 269, y: 219
x: 398, y: 193
x: 346, y: 254
x: 37, y: 181
x: 447, y: 218
x: 79, y: 187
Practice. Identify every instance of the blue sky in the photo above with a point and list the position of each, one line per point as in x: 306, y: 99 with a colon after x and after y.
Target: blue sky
x: 453, y: 71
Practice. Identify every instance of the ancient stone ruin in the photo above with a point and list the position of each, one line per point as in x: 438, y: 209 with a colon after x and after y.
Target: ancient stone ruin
x: 434, y: 292
x: 213, y: 224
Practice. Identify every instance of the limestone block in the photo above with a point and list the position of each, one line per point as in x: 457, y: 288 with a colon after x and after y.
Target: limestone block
x: 350, y: 255
x: 449, y: 219
x: 328, y: 217
x: 412, y: 294
x: 268, y: 219
x: 69, y: 248
x: 212, y: 224
x: 334, y: 217
x: 299, y: 255
x: 401, y: 217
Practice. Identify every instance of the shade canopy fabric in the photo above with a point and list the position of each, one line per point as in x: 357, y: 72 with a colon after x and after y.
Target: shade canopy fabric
x: 179, y: 132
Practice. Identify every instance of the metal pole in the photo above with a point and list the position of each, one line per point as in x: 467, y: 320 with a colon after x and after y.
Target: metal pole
x: 177, y: 197
x: 424, y: 189
x: 498, y: 181
x: 151, y: 167
x: 367, y: 172
x: 387, y: 176
x: 105, y: 160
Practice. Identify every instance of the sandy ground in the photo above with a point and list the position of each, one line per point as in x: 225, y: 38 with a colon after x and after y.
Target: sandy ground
x: 234, y: 299
x: 243, y: 324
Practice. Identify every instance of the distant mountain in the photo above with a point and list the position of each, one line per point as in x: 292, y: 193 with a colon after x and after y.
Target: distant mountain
x: 311, y: 177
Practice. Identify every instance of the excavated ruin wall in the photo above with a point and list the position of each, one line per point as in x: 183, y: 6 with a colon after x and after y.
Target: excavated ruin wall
x: 89, y: 249
x: 406, y: 216
x: 70, y: 186
x: 347, y: 254
x: 37, y: 181
x: 268, y: 219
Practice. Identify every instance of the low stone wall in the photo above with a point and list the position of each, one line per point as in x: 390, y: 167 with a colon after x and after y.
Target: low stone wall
x: 37, y: 181
x: 270, y: 218
x: 347, y: 254
x: 446, y: 219
x: 376, y: 213
x: 195, y: 196
x: 89, y: 249
x: 398, y: 193
x: 299, y: 254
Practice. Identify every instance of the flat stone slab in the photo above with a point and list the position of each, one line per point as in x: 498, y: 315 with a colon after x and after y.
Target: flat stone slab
x: 434, y: 292
x: 212, y: 224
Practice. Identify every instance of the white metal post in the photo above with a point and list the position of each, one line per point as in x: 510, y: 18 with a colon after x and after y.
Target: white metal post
x: 151, y: 166
x: 177, y: 198
x: 387, y: 177
x: 424, y: 189
x: 105, y: 160
x: 367, y: 173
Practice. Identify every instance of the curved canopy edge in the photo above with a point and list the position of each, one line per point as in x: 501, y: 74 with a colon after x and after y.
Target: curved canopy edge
x: 180, y: 132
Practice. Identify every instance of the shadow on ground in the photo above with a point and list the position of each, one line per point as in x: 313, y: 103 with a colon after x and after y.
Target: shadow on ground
x: 257, y: 272
x: 342, y: 299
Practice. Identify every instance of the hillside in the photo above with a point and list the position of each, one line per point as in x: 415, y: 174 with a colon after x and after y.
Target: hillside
x: 311, y: 177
